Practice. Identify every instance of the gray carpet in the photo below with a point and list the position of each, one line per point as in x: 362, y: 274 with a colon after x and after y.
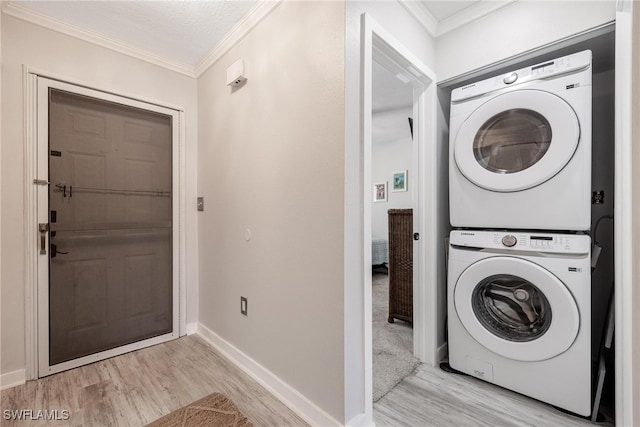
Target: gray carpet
x: 392, y: 342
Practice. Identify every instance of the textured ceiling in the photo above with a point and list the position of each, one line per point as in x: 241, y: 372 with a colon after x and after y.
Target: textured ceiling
x: 181, y: 31
x: 186, y: 31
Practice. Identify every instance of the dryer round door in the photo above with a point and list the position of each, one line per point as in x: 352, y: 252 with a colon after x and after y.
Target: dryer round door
x: 516, y: 308
x: 517, y: 140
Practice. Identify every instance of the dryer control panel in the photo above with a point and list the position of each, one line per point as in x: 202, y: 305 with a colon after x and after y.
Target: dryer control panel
x: 522, y: 241
x: 565, y: 65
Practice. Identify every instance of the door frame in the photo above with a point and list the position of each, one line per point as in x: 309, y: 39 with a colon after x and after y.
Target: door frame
x: 34, y: 297
x: 627, y: 225
x: 377, y: 39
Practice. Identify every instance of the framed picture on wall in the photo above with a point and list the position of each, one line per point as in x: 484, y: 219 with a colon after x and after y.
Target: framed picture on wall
x: 380, y: 192
x: 399, y: 181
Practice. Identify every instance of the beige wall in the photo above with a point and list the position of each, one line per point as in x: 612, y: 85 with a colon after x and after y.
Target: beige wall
x: 514, y: 29
x: 271, y: 159
x: 52, y: 52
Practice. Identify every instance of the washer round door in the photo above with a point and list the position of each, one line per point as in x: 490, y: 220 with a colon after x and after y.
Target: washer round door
x: 516, y: 308
x: 517, y: 140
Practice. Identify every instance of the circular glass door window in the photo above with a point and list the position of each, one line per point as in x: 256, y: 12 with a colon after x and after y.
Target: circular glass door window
x: 516, y: 140
x: 516, y: 308
x: 512, y: 141
x: 511, y: 308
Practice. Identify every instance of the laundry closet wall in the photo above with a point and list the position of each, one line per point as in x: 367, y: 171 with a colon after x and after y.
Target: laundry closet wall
x: 49, y: 51
x: 514, y: 29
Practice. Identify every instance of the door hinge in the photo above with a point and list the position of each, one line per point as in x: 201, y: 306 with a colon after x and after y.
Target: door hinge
x: 41, y: 182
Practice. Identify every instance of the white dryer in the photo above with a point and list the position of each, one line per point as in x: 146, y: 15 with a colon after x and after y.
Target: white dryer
x: 519, y: 313
x: 520, y: 148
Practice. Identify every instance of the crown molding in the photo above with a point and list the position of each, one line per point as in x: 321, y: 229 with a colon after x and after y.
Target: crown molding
x: 256, y: 14
x: 419, y: 11
x: 436, y: 28
x: 470, y: 14
x: 29, y: 15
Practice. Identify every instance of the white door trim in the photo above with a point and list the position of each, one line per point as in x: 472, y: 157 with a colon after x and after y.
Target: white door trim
x: 31, y: 169
x: 627, y: 408
x: 425, y: 213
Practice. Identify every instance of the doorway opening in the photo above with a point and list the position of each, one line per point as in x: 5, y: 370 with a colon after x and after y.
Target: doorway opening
x: 421, y: 178
x: 107, y: 221
x: 392, y: 227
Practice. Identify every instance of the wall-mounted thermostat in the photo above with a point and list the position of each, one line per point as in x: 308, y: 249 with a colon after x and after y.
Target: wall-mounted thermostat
x: 235, y: 73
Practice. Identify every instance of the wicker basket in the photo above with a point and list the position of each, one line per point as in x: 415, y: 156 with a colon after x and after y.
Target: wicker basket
x: 401, y: 265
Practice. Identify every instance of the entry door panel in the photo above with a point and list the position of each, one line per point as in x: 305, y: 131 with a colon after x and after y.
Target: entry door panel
x: 110, y: 269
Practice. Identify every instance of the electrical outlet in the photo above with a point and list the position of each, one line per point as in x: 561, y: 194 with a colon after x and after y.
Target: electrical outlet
x: 200, y: 204
x: 243, y: 305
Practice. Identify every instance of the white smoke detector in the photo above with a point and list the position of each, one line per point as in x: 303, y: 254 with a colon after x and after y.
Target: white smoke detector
x: 235, y: 73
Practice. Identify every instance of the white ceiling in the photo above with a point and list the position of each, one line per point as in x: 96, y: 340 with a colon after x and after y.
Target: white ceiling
x: 444, y: 9
x: 392, y: 104
x: 389, y: 92
x: 184, y: 32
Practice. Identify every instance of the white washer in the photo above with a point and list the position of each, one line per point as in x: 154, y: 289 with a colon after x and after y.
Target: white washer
x: 519, y: 313
x: 520, y: 148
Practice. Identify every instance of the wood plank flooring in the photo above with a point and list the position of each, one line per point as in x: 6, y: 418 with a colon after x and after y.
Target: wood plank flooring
x: 139, y: 387
x: 142, y: 386
x: 432, y: 397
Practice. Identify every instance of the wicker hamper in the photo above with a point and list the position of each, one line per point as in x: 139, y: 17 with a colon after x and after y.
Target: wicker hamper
x: 400, y: 265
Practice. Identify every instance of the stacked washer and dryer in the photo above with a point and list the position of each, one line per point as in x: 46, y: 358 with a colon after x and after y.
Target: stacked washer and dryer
x: 519, y: 274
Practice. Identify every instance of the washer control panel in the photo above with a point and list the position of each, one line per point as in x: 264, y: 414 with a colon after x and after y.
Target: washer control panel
x: 567, y: 64
x: 522, y: 241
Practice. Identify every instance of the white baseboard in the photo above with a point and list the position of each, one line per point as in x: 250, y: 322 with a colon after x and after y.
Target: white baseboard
x: 280, y: 389
x: 12, y: 379
x: 442, y: 352
x: 192, y: 328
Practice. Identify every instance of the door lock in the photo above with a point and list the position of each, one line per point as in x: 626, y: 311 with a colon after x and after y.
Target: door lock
x: 416, y: 236
x: 43, y: 227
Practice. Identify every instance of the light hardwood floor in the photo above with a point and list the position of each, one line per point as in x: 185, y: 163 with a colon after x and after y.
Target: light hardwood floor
x: 432, y: 397
x: 139, y: 387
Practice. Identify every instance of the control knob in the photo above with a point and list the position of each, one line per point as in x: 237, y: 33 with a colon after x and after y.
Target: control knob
x: 511, y: 78
x: 509, y: 240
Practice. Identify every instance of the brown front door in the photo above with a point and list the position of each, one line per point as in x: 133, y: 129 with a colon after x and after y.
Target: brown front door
x: 110, y: 214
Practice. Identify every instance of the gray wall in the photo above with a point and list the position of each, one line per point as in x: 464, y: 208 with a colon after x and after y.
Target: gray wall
x: 271, y: 160
x: 602, y: 178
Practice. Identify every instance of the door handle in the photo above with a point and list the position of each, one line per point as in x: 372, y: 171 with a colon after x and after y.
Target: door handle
x: 55, y: 251
x: 43, y: 227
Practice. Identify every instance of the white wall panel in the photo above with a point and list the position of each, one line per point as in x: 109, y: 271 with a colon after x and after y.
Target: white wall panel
x: 514, y: 29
